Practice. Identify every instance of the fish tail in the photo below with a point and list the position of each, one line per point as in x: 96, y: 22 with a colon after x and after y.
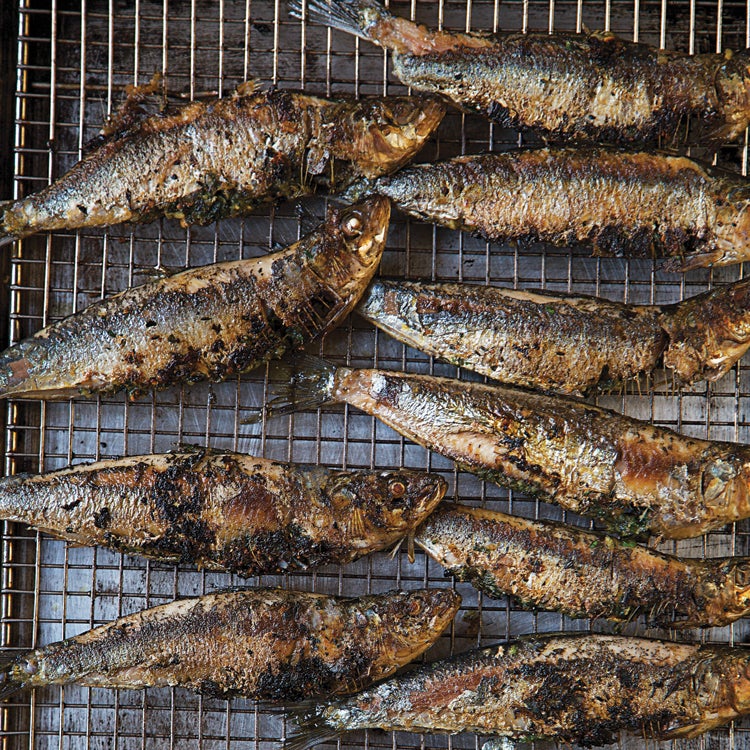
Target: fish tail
x: 14, y: 370
x: 6, y: 237
x: 367, y: 19
x: 9, y: 682
x: 307, y: 383
x: 313, y: 728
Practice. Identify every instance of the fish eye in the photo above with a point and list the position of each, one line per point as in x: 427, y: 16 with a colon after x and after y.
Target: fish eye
x: 351, y: 226
x: 397, y: 488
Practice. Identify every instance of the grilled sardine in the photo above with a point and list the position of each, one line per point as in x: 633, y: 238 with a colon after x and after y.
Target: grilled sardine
x: 635, y: 477
x: 568, y: 86
x: 224, y: 511
x: 549, y: 565
x: 268, y: 644
x: 209, y: 322
x: 570, y: 688
x: 564, y: 342
x: 222, y: 158
x: 619, y: 203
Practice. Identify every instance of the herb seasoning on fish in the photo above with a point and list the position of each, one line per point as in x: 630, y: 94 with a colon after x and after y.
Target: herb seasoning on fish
x: 209, y: 322
x: 552, y: 566
x: 268, y: 644
x: 635, y: 477
x: 570, y: 688
x: 224, y: 511
x: 225, y: 157
x: 619, y: 203
x: 568, y: 86
x: 564, y: 342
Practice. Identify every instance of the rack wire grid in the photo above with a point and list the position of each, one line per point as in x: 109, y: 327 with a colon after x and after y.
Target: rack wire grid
x: 72, y: 62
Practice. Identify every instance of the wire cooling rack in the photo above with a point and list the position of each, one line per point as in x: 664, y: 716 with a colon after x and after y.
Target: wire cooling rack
x: 73, y: 61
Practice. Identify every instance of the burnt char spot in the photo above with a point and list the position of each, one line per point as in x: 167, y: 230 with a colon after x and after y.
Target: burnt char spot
x: 102, y: 518
x: 308, y: 677
x: 71, y: 505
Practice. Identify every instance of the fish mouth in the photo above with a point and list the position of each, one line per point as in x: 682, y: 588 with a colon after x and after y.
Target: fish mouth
x: 375, y: 212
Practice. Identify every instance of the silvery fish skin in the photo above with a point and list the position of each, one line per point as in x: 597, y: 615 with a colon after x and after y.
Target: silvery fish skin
x: 619, y: 203
x: 222, y: 158
x: 209, y: 322
x: 548, y: 565
x: 564, y: 342
x: 268, y: 644
x: 593, y: 87
x: 570, y: 688
x: 224, y: 511
x: 634, y: 477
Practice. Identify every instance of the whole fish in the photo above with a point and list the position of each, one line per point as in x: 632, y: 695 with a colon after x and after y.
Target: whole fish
x: 619, y: 203
x: 223, y: 158
x: 568, y: 86
x: 209, y: 322
x: 548, y: 565
x: 570, y: 688
x: 224, y: 511
x: 564, y: 342
x: 635, y: 477
x: 268, y: 644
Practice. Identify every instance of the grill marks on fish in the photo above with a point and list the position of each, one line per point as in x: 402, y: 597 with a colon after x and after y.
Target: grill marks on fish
x: 636, y: 478
x: 268, y: 644
x: 570, y: 688
x: 222, y: 158
x: 210, y: 322
x: 224, y: 511
x: 552, y: 566
x: 621, y: 204
x: 568, y: 343
x: 591, y: 87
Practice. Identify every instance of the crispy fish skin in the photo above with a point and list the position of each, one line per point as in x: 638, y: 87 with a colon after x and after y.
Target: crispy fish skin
x: 635, y: 204
x: 593, y: 87
x: 563, y: 342
x: 549, y: 565
x: 635, y: 477
x: 222, y: 158
x: 571, y: 688
x: 268, y: 644
x: 209, y: 322
x: 224, y: 511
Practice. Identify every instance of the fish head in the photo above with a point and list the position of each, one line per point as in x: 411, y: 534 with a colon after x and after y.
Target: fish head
x: 372, y: 504
x: 385, y: 133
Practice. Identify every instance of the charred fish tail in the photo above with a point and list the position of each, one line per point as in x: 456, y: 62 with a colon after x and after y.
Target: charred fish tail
x: 307, y: 383
x: 10, y: 682
x: 314, y: 728
x: 6, y: 236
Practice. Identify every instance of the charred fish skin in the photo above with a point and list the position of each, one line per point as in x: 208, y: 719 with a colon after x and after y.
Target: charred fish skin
x: 570, y: 688
x: 634, y: 477
x: 223, y: 158
x: 563, y: 342
x: 224, y: 511
x: 628, y: 204
x: 267, y: 644
x: 552, y: 566
x: 585, y: 87
x: 210, y: 322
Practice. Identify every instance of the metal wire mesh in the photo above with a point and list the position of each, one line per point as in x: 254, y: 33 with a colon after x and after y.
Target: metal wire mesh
x: 74, y: 60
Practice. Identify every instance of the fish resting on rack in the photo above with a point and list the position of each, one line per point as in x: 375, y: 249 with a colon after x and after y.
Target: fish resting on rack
x: 635, y: 204
x: 567, y: 86
x: 209, y: 322
x: 552, y: 566
x: 636, y: 478
x: 208, y: 161
x: 564, y: 342
x: 224, y: 511
x: 268, y: 644
x: 576, y: 689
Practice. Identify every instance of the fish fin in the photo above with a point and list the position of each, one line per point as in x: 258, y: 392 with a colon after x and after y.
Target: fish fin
x: 308, y: 382
x: 343, y: 15
x: 9, y: 684
x: 247, y: 88
x: 692, y: 261
x: 313, y: 729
